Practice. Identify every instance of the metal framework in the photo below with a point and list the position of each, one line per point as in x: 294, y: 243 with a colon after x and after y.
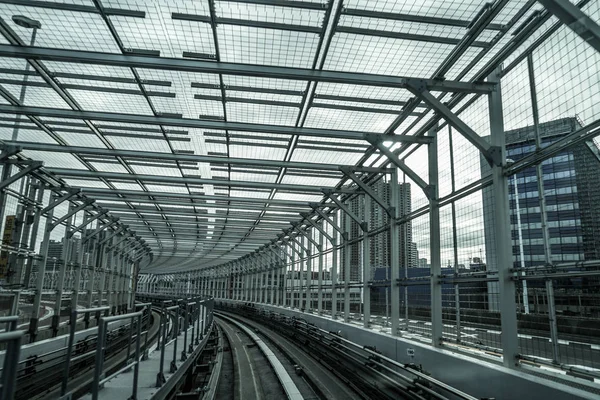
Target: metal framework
x: 190, y: 148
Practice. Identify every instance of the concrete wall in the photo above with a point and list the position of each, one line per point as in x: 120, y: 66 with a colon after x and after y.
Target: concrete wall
x: 478, y: 378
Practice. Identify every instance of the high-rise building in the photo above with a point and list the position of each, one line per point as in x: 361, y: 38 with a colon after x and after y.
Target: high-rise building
x: 571, y: 180
x: 380, y: 244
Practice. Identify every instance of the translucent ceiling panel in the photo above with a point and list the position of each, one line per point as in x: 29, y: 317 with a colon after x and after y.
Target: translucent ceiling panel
x: 78, y: 139
x: 267, y: 83
x: 109, y: 167
x: 89, y: 69
x: 62, y: 29
x: 262, y: 153
x: 369, y: 92
x: 309, y: 180
x: 83, y: 183
x: 166, y: 188
x: 51, y: 159
x: 127, y: 186
x: 350, y: 120
x: 298, y: 197
x: 38, y: 96
x: 327, y: 157
x: 148, y: 170
x: 251, y: 45
x: 380, y: 55
x: 457, y: 9
x: 261, y: 114
x: 253, y: 177
x: 111, y: 102
x: 158, y: 31
x: 416, y: 28
x: 26, y: 135
x: 140, y: 144
x: 267, y: 13
x: 254, y: 195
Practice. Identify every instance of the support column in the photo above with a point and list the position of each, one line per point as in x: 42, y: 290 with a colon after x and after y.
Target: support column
x: 366, y: 253
x: 394, y: 253
x: 308, y: 277
x: 347, y: 267
x: 66, y: 251
x: 434, y: 243
x: 507, y: 302
x: 334, y: 270
x: 320, y: 277
x: 36, y: 213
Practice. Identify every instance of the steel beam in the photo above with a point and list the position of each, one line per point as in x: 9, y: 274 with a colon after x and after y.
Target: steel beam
x: 368, y: 191
x: 491, y: 153
x: 343, y: 207
x: 576, y: 20
x: 70, y: 193
x: 211, y: 67
x: 34, y: 165
x: 318, y: 227
x: 189, y: 180
x: 80, y: 207
x: 100, y: 214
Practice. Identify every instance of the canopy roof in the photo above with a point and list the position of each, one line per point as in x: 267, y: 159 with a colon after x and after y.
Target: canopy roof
x: 208, y: 126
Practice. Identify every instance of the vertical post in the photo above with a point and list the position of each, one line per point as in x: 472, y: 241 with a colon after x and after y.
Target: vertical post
x: 434, y: 243
x: 394, y: 253
x: 136, y: 368
x: 15, y: 260
x: 34, y: 231
x: 544, y: 215
x: 65, y: 380
x: 347, y: 225
x: 35, y: 312
x: 366, y: 262
x: 61, y: 274
x: 308, y: 276
x: 293, y: 276
x: 334, y: 270
x: 320, y: 277
x: 507, y: 300
x: 273, y: 268
x: 98, y: 375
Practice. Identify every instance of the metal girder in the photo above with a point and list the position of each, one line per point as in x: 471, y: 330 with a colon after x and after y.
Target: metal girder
x: 100, y: 229
x: 422, y: 19
x: 202, y: 66
x: 80, y: 207
x: 9, y: 151
x: 371, y: 137
x: 296, y: 240
x: 343, y: 207
x: 296, y: 226
x: 586, y: 133
x: 190, y: 180
x: 491, y: 153
x: 76, y: 7
x: 33, y: 165
x: 326, y: 217
x: 70, y: 193
x: 307, y: 218
x: 115, y: 233
x: 100, y: 213
x: 400, y: 164
x: 138, y: 194
x: 195, y: 158
x: 406, y: 36
x: 289, y: 244
x: 368, y: 191
x: 190, y: 214
x: 570, y: 15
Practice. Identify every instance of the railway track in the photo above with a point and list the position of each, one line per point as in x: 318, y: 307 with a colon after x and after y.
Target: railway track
x: 40, y: 376
x: 258, y: 372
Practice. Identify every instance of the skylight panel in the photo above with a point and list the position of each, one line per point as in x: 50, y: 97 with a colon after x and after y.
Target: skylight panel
x: 26, y: 135
x: 253, y: 177
x: 111, y: 102
x: 266, y: 83
x: 262, y: 114
x: 242, y: 44
x: 89, y: 69
x: 38, y: 96
x: 309, y: 180
x: 63, y: 29
x: 109, y: 167
x: 78, y: 139
x: 298, y: 197
x: 350, y: 120
x: 83, y: 183
x: 267, y: 13
x: 148, y: 170
x: 127, y: 186
x: 140, y: 144
x: 456, y: 9
x: 379, y: 55
x: 326, y: 157
x: 261, y: 153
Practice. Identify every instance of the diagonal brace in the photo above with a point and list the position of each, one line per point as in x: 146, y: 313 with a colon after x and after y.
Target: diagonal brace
x: 70, y: 193
x: 316, y: 226
x: 299, y: 242
x: 570, y: 15
x: 343, y: 207
x: 296, y: 225
x: 350, y: 174
x: 9, y: 151
x: 87, y: 222
x: 115, y: 233
x: 32, y: 167
x: 80, y: 207
x: 401, y: 164
x: 492, y: 153
x: 315, y: 206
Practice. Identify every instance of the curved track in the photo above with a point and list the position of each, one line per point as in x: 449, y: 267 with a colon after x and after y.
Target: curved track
x: 40, y: 377
x: 254, y: 375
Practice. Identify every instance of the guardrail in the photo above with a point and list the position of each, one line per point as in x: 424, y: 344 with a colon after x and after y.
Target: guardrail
x: 11, y: 360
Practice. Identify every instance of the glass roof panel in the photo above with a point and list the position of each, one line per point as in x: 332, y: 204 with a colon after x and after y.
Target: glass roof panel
x: 464, y: 9
x: 326, y: 157
x: 78, y: 139
x: 380, y: 55
x: 350, y: 120
x: 145, y: 145
x: 37, y: 96
x: 111, y: 102
x: 243, y: 44
x: 62, y: 28
x: 261, y: 114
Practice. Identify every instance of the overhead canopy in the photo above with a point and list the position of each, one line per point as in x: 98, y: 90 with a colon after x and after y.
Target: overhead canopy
x: 208, y: 126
